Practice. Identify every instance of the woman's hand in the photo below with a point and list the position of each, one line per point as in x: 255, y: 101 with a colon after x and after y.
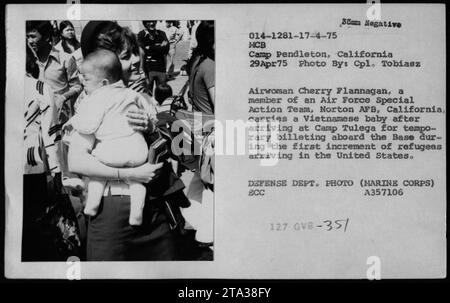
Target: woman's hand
x: 142, y: 174
x: 139, y: 120
x: 67, y: 129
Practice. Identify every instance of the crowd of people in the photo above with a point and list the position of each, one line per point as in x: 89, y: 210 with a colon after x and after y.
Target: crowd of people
x: 95, y: 112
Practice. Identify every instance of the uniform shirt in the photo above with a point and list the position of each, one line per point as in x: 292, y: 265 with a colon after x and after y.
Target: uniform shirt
x: 154, y: 53
x: 41, y: 128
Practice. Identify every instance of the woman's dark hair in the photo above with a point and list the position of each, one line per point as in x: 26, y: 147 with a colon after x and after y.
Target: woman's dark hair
x: 74, y: 41
x: 162, y: 92
x: 44, y: 28
x: 31, y: 65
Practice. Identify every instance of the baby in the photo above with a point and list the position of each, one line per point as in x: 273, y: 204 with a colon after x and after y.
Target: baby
x: 103, y: 113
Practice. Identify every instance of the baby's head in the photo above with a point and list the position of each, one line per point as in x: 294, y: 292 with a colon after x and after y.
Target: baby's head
x: 99, y: 68
x: 162, y: 92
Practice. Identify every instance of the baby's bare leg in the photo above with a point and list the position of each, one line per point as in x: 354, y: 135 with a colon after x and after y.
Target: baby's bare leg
x: 96, y: 187
x: 137, y: 201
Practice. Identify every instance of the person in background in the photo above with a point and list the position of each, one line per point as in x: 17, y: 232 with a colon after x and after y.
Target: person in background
x: 102, y: 114
x: 160, y: 25
x: 163, y: 101
x: 155, y: 46
x: 68, y: 41
x: 193, y: 42
x: 136, y: 79
x: 41, y: 134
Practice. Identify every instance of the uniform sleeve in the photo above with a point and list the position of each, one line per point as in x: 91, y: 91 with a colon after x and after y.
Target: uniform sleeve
x: 51, y: 130
x: 89, y: 116
x: 209, y: 74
